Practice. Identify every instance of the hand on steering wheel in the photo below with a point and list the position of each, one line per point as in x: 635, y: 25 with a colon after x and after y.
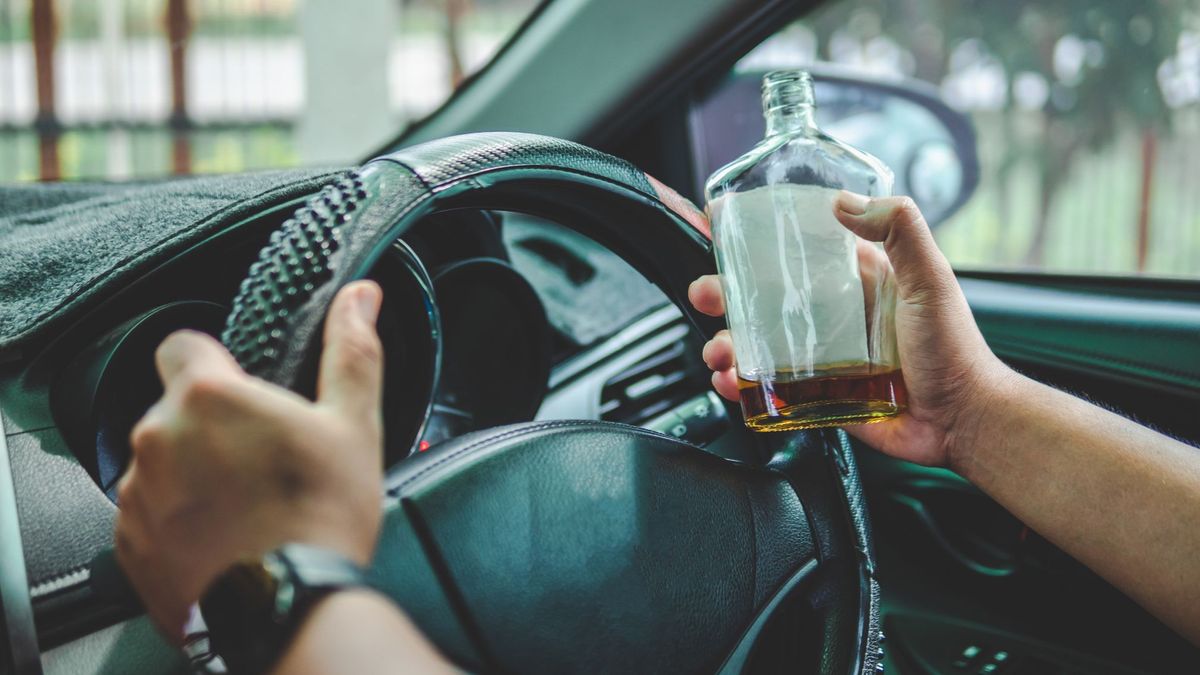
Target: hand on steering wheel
x: 948, y: 368
x: 227, y: 466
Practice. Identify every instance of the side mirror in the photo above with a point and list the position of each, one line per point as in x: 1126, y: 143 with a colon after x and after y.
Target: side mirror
x: 930, y: 147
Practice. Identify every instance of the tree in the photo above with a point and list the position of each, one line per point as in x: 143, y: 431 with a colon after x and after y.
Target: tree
x: 455, y: 10
x: 1094, y: 56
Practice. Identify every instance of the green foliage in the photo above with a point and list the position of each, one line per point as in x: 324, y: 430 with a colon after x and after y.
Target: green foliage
x: 1096, y: 59
x: 1123, y: 41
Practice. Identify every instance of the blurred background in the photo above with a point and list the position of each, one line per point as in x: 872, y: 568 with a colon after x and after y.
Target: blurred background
x: 1087, y: 114
x: 121, y: 89
x: 1087, y: 111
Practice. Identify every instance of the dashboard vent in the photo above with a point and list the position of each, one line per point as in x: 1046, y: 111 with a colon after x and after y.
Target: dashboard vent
x: 654, y: 385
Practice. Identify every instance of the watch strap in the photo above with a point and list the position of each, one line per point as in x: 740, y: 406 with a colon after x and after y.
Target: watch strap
x: 255, y: 608
x: 318, y: 568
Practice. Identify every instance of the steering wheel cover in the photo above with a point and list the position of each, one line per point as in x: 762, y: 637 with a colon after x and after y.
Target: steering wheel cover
x: 274, y: 329
x: 280, y: 308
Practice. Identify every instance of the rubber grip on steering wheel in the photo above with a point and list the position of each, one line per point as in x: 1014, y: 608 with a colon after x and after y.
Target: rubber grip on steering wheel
x: 296, y: 260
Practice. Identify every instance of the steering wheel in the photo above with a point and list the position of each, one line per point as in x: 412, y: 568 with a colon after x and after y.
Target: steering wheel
x: 578, y: 546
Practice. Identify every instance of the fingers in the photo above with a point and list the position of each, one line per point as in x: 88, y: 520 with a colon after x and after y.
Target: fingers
x: 131, y: 537
x: 922, y: 272
x: 705, y: 295
x: 870, y: 256
x: 351, y: 376
x: 725, y: 384
x: 718, y: 356
x: 718, y: 352
x: 191, y: 351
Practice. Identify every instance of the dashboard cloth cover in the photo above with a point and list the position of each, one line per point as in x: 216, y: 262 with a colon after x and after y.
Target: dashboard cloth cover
x: 65, y: 246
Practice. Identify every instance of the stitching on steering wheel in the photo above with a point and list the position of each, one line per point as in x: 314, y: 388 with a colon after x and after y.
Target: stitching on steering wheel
x: 530, y: 429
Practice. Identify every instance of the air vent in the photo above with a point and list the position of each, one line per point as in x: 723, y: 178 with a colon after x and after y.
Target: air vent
x: 654, y: 385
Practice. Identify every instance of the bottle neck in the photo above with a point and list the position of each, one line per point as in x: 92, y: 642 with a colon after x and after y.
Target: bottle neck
x: 788, y: 102
x: 790, y: 120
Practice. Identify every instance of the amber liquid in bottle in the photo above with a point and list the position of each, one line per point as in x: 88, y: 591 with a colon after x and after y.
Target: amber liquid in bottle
x: 851, y: 395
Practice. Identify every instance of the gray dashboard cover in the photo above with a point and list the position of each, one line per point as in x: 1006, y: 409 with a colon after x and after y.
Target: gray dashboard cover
x: 66, y: 246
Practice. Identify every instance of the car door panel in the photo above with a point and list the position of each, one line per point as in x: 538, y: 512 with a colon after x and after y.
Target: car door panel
x: 1146, y: 342
x: 959, y: 572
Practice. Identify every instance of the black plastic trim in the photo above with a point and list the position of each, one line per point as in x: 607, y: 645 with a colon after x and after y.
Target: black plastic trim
x: 21, y: 653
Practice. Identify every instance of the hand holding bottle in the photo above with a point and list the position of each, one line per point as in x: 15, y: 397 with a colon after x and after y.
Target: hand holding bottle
x: 810, y: 311
x: 948, y: 369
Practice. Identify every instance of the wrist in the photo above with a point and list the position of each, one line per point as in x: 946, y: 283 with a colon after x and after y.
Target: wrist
x: 334, y: 525
x: 987, y: 400
x: 255, y: 608
x: 357, y: 546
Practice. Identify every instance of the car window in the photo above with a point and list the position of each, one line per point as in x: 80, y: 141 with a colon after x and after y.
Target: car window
x: 143, y: 88
x: 1087, y: 117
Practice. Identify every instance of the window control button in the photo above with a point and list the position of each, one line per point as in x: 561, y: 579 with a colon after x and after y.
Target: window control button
x: 668, y: 423
x: 699, y: 420
x: 967, y: 656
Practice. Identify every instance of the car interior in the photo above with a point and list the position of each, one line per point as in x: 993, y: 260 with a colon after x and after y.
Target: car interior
x: 565, y: 491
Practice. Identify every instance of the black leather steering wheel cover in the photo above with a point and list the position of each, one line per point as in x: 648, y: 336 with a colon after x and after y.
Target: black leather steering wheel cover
x: 600, y: 196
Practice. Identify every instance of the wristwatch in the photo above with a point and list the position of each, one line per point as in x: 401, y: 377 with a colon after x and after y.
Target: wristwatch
x: 254, y: 608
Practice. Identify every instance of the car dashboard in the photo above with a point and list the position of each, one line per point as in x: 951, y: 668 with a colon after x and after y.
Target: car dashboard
x: 515, y: 319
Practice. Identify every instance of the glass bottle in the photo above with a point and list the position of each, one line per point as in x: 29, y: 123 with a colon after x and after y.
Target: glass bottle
x: 810, y: 306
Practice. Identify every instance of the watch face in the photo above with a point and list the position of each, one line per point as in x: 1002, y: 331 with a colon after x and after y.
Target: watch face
x: 244, y: 597
x: 253, y: 608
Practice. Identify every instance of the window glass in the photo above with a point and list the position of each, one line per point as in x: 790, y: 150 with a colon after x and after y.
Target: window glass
x: 1087, y: 115
x: 142, y: 88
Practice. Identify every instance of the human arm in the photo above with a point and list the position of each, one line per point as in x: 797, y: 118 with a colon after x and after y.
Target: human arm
x: 227, y: 467
x: 1117, y: 496
x: 359, y: 632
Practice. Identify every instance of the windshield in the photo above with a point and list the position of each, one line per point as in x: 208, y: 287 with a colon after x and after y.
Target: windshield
x: 144, y: 88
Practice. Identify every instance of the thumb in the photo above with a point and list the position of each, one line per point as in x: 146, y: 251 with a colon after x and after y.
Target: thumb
x: 351, y: 376
x: 922, y: 273
x: 192, y: 351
